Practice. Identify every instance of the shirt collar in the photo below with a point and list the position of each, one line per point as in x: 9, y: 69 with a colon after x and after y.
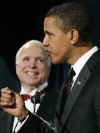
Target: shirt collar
x: 40, y: 88
x: 83, y: 59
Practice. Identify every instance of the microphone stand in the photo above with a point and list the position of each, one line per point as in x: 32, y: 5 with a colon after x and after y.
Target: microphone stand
x: 50, y: 125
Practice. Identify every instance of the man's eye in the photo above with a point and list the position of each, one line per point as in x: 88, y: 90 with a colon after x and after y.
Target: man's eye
x: 26, y: 59
x: 41, y: 60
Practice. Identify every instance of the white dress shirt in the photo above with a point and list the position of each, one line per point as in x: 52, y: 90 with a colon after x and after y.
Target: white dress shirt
x: 82, y: 61
x: 29, y: 105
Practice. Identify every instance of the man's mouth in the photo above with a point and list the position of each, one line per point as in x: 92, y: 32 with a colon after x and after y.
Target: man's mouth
x: 32, y: 73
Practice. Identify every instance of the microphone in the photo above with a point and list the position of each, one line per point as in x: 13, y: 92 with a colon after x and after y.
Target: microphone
x: 36, y: 98
x: 50, y: 125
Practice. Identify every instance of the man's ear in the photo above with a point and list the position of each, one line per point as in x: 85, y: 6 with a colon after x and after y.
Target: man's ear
x: 74, y: 36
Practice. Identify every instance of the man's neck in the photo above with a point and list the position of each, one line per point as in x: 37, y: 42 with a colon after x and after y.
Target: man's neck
x: 79, y: 51
x: 29, y: 89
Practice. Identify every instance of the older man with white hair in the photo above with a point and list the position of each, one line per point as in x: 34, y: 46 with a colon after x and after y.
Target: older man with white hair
x: 34, y: 101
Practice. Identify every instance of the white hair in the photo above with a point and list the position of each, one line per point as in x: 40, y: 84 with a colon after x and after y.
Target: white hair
x: 29, y: 44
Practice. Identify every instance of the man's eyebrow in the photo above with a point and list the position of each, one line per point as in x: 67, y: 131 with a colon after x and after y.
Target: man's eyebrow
x: 41, y: 57
x: 47, y: 32
x: 25, y: 56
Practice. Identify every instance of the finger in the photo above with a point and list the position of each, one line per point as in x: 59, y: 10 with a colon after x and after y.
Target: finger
x: 5, y: 103
x: 7, y: 99
x: 6, y: 92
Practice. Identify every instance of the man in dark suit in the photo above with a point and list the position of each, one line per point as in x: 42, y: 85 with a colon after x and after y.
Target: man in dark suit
x: 68, y: 38
x: 33, y: 68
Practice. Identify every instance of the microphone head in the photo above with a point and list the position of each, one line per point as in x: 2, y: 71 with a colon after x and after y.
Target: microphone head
x: 36, y: 98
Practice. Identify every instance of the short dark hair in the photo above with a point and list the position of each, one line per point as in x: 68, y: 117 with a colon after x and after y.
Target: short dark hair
x: 73, y: 15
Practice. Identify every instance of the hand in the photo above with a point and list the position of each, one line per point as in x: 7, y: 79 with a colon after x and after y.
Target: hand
x: 7, y: 98
x: 12, y: 102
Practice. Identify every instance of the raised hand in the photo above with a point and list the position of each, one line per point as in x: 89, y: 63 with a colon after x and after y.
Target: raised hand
x: 12, y: 102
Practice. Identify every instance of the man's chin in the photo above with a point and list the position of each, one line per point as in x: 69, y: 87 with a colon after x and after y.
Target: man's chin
x: 34, y: 84
x: 56, y: 61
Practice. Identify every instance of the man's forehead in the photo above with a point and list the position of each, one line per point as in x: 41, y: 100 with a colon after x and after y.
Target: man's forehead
x: 32, y: 51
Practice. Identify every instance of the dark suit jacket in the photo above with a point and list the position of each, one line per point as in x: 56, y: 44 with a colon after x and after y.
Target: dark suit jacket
x: 33, y: 124
x: 82, y: 109
x: 7, y: 79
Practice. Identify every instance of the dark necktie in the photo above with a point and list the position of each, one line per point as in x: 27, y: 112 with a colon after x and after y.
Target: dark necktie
x: 66, y: 89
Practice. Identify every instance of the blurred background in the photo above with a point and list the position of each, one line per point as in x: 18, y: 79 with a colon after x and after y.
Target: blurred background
x: 21, y: 21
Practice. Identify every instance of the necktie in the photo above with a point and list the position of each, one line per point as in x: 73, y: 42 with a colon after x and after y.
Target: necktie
x: 66, y: 89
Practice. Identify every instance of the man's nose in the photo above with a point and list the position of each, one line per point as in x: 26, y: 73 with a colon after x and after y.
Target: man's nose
x: 33, y: 63
x: 45, y: 42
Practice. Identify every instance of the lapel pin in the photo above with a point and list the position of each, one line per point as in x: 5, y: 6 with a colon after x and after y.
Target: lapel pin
x: 78, y: 82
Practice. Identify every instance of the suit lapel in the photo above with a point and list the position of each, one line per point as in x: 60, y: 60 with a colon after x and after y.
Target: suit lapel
x: 78, y: 86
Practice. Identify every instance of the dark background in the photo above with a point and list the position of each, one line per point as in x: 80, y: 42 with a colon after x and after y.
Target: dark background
x: 21, y: 21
